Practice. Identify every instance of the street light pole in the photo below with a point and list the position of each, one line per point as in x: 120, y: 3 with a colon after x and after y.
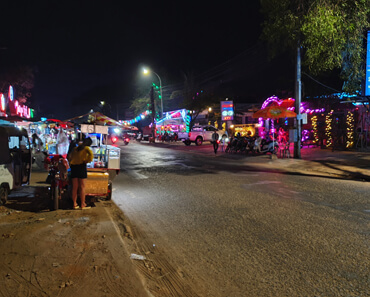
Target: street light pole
x: 146, y: 71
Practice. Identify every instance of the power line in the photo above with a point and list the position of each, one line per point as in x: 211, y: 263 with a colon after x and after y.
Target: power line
x: 320, y: 82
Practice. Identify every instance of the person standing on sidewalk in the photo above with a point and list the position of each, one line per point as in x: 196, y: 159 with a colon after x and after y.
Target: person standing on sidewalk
x: 215, y: 138
x: 78, y: 158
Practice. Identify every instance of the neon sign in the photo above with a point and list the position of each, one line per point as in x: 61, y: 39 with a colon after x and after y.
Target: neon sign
x: 174, y: 114
x: 227, y: 110
x: 13, y: 106
x: 11, y: 93
x: 2, y: 103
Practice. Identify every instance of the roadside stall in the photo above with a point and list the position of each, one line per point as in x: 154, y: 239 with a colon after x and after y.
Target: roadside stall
x: 101, y: 171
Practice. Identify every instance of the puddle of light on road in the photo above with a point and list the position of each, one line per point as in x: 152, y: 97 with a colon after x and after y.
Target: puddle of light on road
x: 135, y: 174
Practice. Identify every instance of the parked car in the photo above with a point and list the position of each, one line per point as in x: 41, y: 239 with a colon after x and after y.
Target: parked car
x: 199, y: 134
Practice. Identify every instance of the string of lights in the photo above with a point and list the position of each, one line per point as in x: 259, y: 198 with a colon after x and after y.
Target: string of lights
x: 350, y: 129
x: 328, y: 128
x: 314, y: 128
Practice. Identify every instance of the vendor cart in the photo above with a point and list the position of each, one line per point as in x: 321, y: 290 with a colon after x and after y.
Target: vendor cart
x: 106, y: 163
x: 101, y: 171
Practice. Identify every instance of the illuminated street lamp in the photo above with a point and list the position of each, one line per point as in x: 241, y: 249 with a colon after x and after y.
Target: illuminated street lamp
x: 146, y: 71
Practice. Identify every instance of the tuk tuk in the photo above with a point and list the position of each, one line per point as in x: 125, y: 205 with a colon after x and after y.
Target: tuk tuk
x: 15, y: 160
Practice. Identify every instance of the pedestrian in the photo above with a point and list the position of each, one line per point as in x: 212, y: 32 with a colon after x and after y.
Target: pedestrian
x: 78, y: 158
x: 282, y: 135
x: 223, y: 144
x: 36, y: 143
x: 62, y: 143
x: 215, y: 138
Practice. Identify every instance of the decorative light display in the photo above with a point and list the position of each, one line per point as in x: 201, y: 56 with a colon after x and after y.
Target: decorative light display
x: 269, y: 100
x: 187, y: 122
x: 314, y: 128
x: 328, y: 128
x: 137, y: 119
x: 350, y: 129
x: 158, y: 90
x: 305, y: 135
x: 292, y: 108
x: 174, y: 114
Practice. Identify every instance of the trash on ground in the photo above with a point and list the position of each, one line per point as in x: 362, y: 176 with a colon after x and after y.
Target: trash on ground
x: 137, y: 257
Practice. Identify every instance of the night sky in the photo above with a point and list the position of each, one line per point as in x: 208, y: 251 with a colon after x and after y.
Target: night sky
x: 87, y: 51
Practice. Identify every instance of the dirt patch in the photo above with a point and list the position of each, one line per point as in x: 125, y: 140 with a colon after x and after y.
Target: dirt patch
x: 65, y: 252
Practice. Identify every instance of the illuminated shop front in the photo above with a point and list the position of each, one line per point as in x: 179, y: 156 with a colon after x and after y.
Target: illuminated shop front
x: 176, y: 121
x: 10, y: 107
x: 340, y: 123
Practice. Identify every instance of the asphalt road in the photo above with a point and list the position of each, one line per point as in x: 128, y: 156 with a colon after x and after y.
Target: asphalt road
x: 227, y: 231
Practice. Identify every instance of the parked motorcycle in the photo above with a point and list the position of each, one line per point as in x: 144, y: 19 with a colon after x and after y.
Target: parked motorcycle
x: 240, y: 144
x: 57, y: 177
x: 264, y: 146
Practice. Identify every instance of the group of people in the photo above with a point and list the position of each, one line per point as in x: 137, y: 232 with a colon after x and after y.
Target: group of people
x: 168, y: 137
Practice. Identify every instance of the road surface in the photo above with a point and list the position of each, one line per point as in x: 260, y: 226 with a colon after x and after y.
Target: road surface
x: 208, y: 227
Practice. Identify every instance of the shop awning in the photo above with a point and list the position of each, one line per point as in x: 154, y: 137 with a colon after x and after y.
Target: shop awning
x: 97, y: 118
x: 102, y: 119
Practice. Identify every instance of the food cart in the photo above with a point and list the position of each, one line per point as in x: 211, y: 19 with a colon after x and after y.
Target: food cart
x: 100, y: 171
x: 106, y: 163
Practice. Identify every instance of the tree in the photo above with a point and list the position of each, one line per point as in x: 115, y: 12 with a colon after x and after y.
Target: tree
x: 196, y: 99
x: 21, y: 78
x: 330, y: 33
x: 139, y: 105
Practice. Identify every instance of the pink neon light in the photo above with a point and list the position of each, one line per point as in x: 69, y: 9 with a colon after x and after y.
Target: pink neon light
x: 302, y: 109
x: 2, y: 102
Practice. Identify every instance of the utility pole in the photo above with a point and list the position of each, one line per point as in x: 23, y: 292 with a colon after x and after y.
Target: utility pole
x: 298, y: 94
x: 153, y: 112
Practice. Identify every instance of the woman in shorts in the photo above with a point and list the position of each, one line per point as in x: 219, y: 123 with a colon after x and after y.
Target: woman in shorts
x: 78, y: 158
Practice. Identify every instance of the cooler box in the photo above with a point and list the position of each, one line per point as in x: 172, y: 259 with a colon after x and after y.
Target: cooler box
x: 96, y: 183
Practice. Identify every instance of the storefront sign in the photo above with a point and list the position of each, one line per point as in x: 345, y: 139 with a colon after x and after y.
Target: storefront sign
x: 227, y: 110
x: 11, y: 107
x: 2, y: 103
x: 85, y: 128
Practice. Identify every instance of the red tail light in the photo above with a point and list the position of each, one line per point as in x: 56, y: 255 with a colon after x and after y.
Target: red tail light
x: 127, y: 139
x: 189, y: 134
x: 218, y: 141
x: 114, y: 139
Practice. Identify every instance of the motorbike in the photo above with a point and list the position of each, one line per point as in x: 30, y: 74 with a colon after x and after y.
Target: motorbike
x: 113, y: 139
x: 265, y: 146
x: 126, y: 140
x: 57, y: 177
x: 241, y: 144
